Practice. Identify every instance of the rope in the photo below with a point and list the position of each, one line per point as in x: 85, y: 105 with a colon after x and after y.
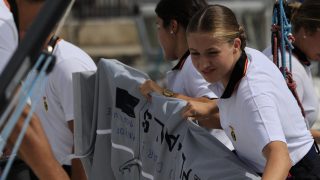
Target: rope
x: 19, y: 101
x: 27, y: 90
x: 18, y: 110
x: 281, y: 36
x: 281, y: 29
x: 63, y: 19
x: 292, y: 86
x: 275, y: 35
x: 282, y: 41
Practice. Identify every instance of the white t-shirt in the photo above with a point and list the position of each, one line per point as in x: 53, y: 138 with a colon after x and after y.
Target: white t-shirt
x: 260, y: 110
x: 55, y: 107
x: 8, y: 35
x: 188, y: 81
x: 302, y: 76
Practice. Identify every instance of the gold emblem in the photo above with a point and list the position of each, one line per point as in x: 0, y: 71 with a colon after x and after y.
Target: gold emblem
x: 45, y: 103
x: 167, y: 93
x: 233, y: 135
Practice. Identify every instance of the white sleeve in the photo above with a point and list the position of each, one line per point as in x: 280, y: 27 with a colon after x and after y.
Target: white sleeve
x: 63, y: 85
x: 263, y: 121
x: 194, y: 83
x: 8, y: 43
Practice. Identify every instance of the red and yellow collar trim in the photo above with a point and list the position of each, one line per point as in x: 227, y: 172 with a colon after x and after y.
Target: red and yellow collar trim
x: 181, y: 61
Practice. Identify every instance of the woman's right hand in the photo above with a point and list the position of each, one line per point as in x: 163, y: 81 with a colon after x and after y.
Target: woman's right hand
x: 148, y: 87
x: 205, y: 111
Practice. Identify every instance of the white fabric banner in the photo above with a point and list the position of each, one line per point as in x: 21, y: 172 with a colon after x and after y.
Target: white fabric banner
x: 122, y: 136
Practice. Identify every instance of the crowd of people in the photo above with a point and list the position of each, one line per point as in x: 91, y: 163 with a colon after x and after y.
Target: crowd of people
x: 236, y: 92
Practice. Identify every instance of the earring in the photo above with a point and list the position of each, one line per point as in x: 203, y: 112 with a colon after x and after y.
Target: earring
x: 171, y: 32
x: 304, y: 36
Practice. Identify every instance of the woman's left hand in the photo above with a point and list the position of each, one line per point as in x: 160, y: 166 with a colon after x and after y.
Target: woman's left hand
x: 206, y: 112
x: 148, y: 87
x: 197, y: 110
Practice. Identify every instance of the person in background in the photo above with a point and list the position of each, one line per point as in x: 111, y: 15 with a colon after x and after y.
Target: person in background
x: 305, y: 19
x: 55, y: 111
x: 35, y: 148
x: 257, y: 110
x: 183, y: 81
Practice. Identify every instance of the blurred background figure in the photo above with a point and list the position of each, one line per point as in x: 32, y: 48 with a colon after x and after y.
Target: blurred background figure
x: 56, y: 108
x: 305, y: 20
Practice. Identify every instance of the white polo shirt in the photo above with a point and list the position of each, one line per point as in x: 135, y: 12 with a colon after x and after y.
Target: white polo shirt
x: 55, y: 108
x: 301, y: 73
x: 257, y: 108
x: 185, y: 79
x: 8, y: 35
